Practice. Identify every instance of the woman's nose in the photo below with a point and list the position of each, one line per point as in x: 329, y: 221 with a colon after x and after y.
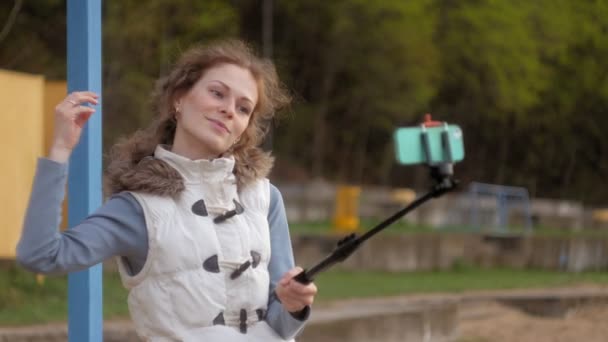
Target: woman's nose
x: 227, y: 109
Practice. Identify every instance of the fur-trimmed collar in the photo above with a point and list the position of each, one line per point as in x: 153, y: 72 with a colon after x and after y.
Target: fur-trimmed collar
x: 161, y: 175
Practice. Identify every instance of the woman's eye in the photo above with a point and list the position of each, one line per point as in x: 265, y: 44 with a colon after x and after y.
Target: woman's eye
x: 216, y: 93
x: 244, y: 110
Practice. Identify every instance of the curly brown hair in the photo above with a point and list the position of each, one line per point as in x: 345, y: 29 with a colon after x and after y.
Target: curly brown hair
x: 128, y: 170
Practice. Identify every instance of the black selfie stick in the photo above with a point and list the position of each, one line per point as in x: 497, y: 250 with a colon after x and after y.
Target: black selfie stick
x: 441, y: 174
x: 349, y: 244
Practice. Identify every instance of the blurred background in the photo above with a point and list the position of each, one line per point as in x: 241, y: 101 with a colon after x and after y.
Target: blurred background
x: 527, y: 81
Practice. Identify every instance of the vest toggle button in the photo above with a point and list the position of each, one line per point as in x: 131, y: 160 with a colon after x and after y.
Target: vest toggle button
x: 219, y: 319
x: 261, y: 313
x: 238, y: 209
x: 242, y: 268
x: 256, y: 257
x: 243, y: 321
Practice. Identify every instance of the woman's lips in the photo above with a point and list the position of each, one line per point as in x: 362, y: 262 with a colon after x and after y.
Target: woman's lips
x: 220, y: 124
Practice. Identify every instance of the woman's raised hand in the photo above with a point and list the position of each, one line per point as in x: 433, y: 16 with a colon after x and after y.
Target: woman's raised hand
x: 70, y: 116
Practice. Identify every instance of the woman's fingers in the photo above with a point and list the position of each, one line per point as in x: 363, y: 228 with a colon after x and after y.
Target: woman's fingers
x: 79, y: 97
x: 293, y: 295
x: 303, y: 292
x: 76, y: 99
x: 289, y: 301
x: 69, y: 123
x: 83, y: 116
x: 71, y: 114
x: 287, y: 277
x: 294, y: 285
x: 78, y: 114
x: 298, y: 300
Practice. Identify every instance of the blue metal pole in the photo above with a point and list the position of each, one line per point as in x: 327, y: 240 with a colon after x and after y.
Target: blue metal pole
x: 85, y: 319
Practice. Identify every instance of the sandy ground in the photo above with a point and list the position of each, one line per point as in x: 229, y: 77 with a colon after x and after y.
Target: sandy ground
x: 482, y: 319
x: 490, y: 321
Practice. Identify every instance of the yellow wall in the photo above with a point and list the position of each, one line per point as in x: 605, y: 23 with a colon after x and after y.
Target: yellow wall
x: 24, y: 138
x: 54, y: 92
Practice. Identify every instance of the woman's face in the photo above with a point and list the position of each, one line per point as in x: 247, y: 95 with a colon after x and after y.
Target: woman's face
x: 214, y: 113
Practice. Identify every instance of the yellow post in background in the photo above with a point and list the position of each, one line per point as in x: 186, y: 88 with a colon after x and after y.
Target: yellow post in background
x: 599, y: 218
x: 403, y: 196
x: 21, y: 129
x: 346, y: 217
x: 26, y: 127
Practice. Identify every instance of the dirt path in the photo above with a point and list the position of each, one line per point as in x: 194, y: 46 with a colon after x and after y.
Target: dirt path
x: 499, y: 323
x: 481, y: 318
x: 489, y: 321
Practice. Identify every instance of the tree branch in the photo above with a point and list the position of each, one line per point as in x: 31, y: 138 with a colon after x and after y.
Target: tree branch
x: 11, y: 20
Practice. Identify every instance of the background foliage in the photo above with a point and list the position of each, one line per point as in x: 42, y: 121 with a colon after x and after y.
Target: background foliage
x: 527, y: 80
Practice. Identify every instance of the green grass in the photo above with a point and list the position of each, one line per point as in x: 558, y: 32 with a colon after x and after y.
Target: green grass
x: 339, y: 284
x: 23, y: 301
x: 401, y: 227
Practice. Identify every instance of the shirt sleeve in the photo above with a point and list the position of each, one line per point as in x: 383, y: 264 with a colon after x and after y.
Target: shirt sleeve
x: 116, y: 229
x: 281, y: 261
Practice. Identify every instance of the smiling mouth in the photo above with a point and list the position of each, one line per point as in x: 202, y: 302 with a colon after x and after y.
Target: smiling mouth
x: 220, y: 124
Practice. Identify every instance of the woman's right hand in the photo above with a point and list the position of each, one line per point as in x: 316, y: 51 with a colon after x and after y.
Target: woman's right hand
x: 70, y: 117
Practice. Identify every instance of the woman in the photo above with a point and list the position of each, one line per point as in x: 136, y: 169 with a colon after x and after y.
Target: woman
x: 200, y: 234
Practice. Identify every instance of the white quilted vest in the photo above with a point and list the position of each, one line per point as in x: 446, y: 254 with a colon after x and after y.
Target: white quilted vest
x: 206, y: 273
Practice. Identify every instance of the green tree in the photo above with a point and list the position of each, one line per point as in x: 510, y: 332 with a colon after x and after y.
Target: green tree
x: 360, y: 67
x: 492, y: 75
x: 527, y: 80
x: 33, y: 37
x: 568, y: 159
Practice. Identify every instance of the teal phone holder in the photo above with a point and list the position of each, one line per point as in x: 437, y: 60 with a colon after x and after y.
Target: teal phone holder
x: 446, y: 167
x: 441, y: 172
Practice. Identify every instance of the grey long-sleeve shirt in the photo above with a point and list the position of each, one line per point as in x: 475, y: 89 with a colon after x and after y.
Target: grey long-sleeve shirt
x: 118, y: 228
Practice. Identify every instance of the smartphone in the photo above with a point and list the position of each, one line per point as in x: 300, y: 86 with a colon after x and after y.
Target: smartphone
x: 445, y: 145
